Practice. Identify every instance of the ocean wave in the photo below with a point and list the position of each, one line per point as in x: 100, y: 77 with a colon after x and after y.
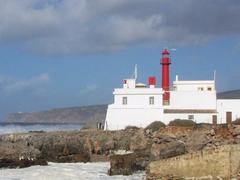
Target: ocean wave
x: 20, y: 128
x: 66, y: 171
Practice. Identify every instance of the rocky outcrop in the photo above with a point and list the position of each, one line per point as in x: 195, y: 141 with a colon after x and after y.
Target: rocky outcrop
x: 20, y: 150
x: 87, y: 145
x: 197, y: 140
x: 220, y: 163
x: 167, y: 150
x: 122, y: 163
x: 19, y: 155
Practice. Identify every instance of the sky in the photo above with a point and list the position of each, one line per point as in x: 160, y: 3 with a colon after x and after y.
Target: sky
x: 63, y: 53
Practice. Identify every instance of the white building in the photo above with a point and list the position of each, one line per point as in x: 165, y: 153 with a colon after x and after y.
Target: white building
x: 136, y: 104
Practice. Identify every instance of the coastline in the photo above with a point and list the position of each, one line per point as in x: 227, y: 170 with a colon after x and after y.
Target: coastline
x: 22, y: 150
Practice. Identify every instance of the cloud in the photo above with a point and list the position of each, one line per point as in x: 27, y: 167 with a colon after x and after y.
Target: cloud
x: 11, y: 85
x: 83, y: 26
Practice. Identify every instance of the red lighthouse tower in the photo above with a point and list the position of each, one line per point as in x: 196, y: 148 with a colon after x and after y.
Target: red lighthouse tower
x: 165, y: 76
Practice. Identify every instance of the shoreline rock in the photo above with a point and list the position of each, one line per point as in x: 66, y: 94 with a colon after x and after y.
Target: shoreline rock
x: 220, y: 163
x: 122, y: 163
x: 98, y: 145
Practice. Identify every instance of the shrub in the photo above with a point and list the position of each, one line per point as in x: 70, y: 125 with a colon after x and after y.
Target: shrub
x: 132, y: 128
x: 182, y: 123
x: 155, y: 126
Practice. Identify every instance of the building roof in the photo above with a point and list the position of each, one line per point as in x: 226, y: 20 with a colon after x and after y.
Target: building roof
x: 189, y: 111
x: 194, y: 82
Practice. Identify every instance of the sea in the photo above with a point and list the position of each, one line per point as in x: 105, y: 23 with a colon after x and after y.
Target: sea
x: 58, y: 171
x: 6, y: 128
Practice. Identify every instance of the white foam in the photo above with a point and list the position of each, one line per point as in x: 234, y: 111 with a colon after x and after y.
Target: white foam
x: 66, y: 171
x: 122, y: 152
x: 21, y: 128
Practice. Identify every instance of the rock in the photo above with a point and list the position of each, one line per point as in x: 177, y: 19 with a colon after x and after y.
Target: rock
x: 160, y: 139
x: 155, y: 126
x: 236, y: 130
x: 138, y: 141
x: 197, y: 140
x: 109, y: 145
x: 14, y: 155
x: 220, y: 163
x: 62, y: 148
x: 212, y: 132
x: 167, y: 150
x: 75, y: 146
x: 93, y: 145
x: 141, y: 146
x: 122, y: 163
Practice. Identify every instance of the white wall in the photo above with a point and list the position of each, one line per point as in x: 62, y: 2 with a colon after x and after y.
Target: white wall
x: 138, y: 97
x: 192, y: 100
x: 138, y: 101
x: 225, y: 105
x: 137, y: 111
x: 193, y: 85
x: 119, y: 118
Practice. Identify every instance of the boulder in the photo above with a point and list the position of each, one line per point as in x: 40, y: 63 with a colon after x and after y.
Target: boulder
x: 220, y: 163
x: 60, y: 147
x: 166, y: 147
x: 14, y: 155
x: 141, y: 146
x: 155, y: 126
x: 122, y: 163
x: 236, y: 130
x: 197, y: 140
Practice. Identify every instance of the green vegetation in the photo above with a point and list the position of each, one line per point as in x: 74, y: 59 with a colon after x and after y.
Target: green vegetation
x: 155, y: 126
x: 182, y: 123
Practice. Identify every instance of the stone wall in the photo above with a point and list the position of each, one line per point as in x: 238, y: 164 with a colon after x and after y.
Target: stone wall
x: 222, y: 162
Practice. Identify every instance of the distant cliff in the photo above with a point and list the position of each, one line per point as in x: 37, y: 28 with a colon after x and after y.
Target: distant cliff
x: 234, y: 94
x: 86, y: 115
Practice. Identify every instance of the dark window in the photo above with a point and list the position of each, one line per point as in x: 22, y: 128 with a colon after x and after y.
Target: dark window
x: 151, y: 100
x: 124, y: 100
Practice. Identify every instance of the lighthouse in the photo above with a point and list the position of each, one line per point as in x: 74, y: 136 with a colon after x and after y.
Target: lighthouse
x: 165, y: 76
x: 138, y: 104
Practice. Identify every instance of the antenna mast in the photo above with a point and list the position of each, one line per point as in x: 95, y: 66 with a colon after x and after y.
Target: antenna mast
x: 214, y: 75
x: 135, y: 72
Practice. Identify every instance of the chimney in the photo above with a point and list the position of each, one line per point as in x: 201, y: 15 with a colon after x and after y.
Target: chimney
x: 152, y: 81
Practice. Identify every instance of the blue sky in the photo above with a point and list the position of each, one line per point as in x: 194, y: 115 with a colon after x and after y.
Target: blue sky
x: 61, y: 53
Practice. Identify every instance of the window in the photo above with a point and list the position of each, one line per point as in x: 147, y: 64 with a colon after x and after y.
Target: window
x: 190, y: 117
x: 209, y: 88
x: 124, y: 100
x: 200, y: 89
x: 175, y: 88
x: 151, y: 100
